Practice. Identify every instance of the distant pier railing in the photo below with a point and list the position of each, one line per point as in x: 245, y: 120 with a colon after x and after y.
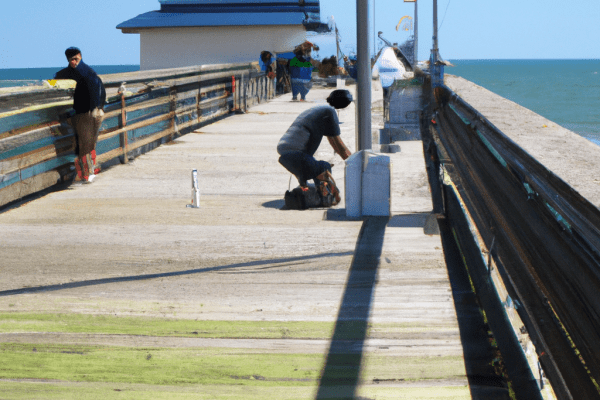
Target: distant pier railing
x: 37, y: 140
x: 536, y: 234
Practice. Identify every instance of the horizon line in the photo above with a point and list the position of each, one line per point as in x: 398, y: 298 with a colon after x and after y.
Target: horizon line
x: 446, y: 58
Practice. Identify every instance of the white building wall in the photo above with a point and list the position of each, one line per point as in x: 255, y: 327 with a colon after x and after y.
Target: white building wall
x: 182, y: 47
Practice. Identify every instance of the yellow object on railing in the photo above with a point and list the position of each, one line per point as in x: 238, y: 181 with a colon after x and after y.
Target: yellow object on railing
x: 60, y: 83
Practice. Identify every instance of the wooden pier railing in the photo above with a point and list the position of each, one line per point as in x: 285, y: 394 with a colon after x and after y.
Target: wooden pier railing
x: 37, y: 140
x: 529, y: 240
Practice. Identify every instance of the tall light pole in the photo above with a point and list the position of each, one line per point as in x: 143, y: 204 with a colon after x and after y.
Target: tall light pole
x: 337, y: 45
x: 374, y: 37
x: 416, y: 44
x: 435, y: 28
x: 416, y: 34
x: 435, y: 66
x: 363, y: 106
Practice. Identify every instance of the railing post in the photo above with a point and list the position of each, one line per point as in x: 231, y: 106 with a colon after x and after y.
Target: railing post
x: 267, y: 88
x: 258, y: 89
x: 246, y: 93
x: 173, y: 110
x: 246, y: 90
x: 198, y: 100
x: 122, y: 124
x: 233, y: 92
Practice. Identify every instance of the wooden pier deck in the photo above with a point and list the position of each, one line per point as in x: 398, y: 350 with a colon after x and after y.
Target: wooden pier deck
x: 117, y: 290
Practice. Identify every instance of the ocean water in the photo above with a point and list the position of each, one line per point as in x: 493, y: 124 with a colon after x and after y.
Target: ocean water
x: 33, y: 76
x: 566, y: 92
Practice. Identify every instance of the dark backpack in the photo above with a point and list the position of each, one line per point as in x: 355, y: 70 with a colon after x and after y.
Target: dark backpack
x: 298, y: 199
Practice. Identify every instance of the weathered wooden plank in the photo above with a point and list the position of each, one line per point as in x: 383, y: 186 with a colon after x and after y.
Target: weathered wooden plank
x: 204, y: 104
x: 28, y: 186
x: 48, y: 113
x: 9, y: 179
x: 212, y: 88
x: 137, y: 106
x: 205, y: 78
x: 18, y: 102
x: 134, y: 145
x: 42, y: 154
x: 47, y: 166
x: 202, y: 119
x: 27, y: 129
x: 30, y: 141
x: 146, y: 114
x: 138, y: 125
x: 37, y: 169
x: 136, y: 134
x: 114, y: 80
x: 109, y: 155
x: 13, y: 142
x: 139, y: 98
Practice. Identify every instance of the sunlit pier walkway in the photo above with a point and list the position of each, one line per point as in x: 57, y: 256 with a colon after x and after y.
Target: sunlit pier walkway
x: 118, y: 289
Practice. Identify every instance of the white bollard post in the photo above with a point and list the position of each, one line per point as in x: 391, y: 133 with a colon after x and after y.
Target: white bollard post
x: 368, y: 185
x: 195, y: 191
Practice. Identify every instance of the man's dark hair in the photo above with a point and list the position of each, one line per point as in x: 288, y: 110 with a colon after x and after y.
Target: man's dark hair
x: 71, y: 52
x: 340, y: 98
x: 265, y: 55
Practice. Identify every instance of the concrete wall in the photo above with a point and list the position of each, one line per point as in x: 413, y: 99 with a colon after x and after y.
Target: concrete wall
x: 182, y: 47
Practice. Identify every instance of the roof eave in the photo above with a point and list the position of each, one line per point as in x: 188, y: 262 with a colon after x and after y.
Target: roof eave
x: 152, y: 28
x: 258, y: 16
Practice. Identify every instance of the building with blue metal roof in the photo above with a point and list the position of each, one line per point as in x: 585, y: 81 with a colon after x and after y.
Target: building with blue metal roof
x: 199, y: 32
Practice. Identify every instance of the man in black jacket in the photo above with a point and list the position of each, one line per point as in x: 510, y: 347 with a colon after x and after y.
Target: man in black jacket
x: 88, y: 102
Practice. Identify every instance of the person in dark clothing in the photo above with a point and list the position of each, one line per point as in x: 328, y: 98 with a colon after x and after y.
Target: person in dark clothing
x: 301, y: 72
x: 88, y: 103
x: 302, y: 139
x: 266, y: 63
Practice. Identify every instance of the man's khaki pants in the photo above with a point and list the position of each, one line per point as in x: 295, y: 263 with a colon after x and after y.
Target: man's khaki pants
x: 87, y: 126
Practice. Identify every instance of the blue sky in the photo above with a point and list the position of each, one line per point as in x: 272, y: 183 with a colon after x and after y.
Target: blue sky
x: 36, y: 32
x: 486, y: 29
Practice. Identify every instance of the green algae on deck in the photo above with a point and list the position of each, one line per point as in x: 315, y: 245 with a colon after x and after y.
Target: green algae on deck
x: 151, y: 326
x: 151, y: 367
x: 15, y: 322
x: 413, y: 369
x: 76, y: 390
x: 157, y: 366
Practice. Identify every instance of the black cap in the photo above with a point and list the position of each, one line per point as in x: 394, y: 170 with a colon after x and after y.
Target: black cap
x: 72, y: 51
x: 340, y: 98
